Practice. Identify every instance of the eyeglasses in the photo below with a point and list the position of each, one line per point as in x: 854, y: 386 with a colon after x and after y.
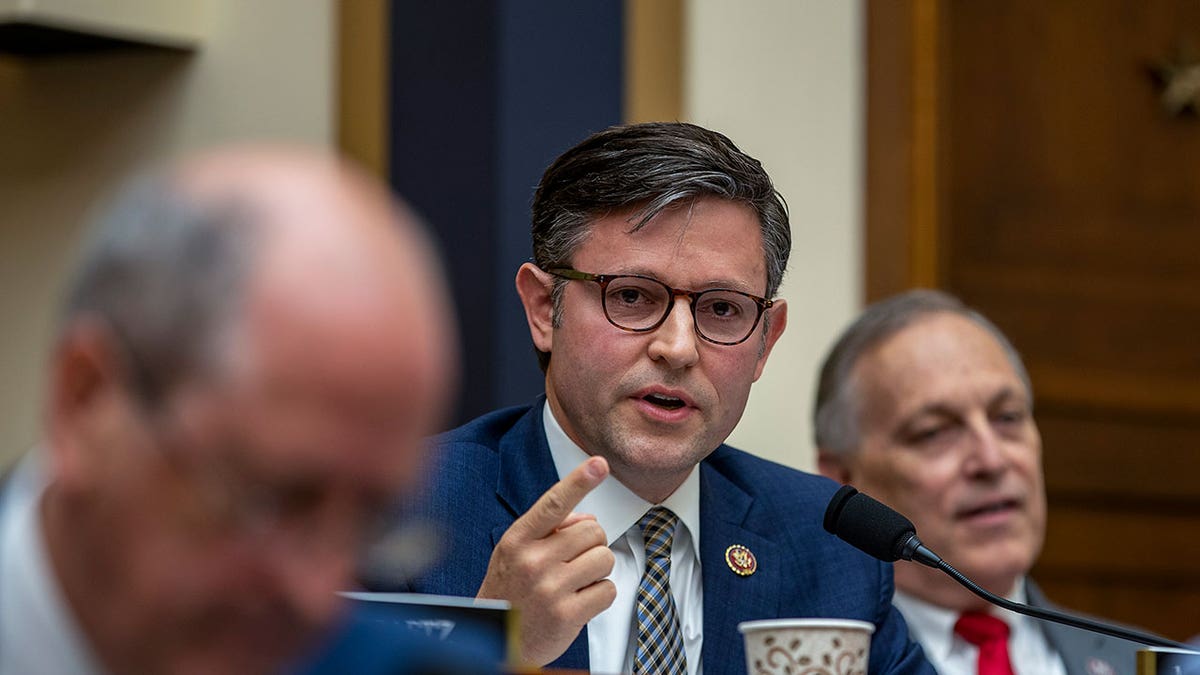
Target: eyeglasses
x: 641, y: 304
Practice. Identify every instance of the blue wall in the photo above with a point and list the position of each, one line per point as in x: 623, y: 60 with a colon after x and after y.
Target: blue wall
x: 483, y: 96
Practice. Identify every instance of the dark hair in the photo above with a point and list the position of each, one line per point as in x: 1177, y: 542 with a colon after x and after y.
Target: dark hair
x: 835, y: 413
x: 647, y: 168
x: 166, y: 275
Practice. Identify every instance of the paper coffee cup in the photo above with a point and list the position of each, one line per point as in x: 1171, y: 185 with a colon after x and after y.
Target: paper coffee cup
x: 809, y: 646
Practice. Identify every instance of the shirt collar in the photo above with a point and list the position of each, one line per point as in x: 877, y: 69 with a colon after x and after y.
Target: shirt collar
x: 615, y: 506
x: 30, y: 589
x: 933, y: 625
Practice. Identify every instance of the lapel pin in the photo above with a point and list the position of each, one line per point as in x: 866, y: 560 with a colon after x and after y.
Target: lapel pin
x: 740, y: 560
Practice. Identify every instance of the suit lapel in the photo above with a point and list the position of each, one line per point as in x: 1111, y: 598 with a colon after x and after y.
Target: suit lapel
x: 526, y: 471
x: 725, y: 521
x: 1082, y: 652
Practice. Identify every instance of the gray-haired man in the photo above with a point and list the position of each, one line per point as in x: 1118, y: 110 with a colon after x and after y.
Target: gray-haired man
x: 924, y: 404
x: 251, y: 351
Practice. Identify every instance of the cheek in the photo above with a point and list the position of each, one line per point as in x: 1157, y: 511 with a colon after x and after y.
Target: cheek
x: 168, y: 546
x: 585, y: 361
x: 1028, y: 461
x: 911, y: 483
x: 730, y: 370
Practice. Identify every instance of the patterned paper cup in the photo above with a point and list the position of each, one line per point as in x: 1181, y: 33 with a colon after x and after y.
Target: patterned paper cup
x: 807, y: 646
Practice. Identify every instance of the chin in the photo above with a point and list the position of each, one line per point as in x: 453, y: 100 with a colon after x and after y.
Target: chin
x: 660, y: 457
x: 227, y: 663
x: 237, y: 654
x: 996, y: 573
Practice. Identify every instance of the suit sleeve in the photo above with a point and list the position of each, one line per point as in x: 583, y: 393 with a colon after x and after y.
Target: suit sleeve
x: 892, y: 650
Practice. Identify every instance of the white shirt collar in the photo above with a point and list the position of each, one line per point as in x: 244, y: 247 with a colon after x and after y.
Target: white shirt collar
x: 933, y: 627
x: 38, y: 632
x: 937, y: 622
x: 615, y: 506
x: 929, y: 624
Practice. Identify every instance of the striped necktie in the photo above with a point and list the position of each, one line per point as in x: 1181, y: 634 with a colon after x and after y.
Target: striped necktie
x: 659, y: 638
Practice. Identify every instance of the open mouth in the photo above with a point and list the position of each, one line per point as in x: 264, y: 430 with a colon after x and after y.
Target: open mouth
x: 988, y: 509
x: 664, y: 402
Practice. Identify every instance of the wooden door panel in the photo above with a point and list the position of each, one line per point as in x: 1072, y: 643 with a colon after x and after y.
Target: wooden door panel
x: 1067, y: 209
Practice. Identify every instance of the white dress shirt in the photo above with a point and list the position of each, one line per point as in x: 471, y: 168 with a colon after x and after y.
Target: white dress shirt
x: 612, y: 634
x: 38, y: 633
x: 933, y: 627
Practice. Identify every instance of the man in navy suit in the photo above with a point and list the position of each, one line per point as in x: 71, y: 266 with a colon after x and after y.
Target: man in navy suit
x: 658, y: 250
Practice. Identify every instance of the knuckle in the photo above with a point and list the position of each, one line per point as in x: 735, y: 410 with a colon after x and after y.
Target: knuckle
x: 540, y: 591
x: 529, y: 565
x: 509, y: 542
x: 608, y: 592
x: 595, y: 533
x: 607, y: 561
x: 555, y: 502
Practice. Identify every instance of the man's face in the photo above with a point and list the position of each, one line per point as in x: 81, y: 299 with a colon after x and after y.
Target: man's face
x: 219, y: 527
x: 948, y: 438
x: 656, y: 403
x: 211, y: 531
x: 232, y: 531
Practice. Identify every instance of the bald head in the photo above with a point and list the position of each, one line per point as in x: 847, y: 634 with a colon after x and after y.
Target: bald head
x: 177, y: 255
x: 254, y: 347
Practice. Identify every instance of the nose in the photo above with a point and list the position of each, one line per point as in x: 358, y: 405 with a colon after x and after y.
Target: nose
x: 986, y: 457
x: 311, y: 583
x: 674, y: 342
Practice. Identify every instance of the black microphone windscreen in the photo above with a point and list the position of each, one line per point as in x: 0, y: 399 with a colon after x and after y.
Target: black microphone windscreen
x: 867, y: 524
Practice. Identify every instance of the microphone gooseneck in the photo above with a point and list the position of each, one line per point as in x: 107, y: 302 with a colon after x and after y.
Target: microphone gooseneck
x: 883, y: 533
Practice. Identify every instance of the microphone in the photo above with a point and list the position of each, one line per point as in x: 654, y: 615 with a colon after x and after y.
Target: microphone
x: 883, y: 533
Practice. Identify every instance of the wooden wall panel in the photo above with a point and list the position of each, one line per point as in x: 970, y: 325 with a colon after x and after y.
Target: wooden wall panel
x: 1121, y: 458
x: 362, y: 49
x: 654, y: 47
x: 1067, y: 209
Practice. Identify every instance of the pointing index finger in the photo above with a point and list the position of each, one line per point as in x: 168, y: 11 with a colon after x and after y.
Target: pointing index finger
x: 549, y: 511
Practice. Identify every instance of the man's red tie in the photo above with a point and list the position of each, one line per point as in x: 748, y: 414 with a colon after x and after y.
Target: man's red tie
x: 990, y: 635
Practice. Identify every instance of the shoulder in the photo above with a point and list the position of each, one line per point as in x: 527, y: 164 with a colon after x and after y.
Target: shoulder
x: 486, y: 429
x: 463, y: 497
x: 1081, y: 649
x: 787, y: 506
x: 461, y: 454
x: 771, y: 481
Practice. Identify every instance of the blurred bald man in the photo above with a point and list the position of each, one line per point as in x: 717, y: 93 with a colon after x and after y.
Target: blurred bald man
x: 251, y: 350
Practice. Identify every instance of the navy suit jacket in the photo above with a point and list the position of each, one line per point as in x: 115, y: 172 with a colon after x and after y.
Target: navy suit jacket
x: 493, y: 469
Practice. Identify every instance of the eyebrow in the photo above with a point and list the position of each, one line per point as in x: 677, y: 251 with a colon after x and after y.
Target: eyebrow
x: 707, y: 285
x: 1005, y: 394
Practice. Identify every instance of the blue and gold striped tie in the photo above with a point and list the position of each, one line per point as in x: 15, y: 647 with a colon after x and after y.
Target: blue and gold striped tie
x: 659, y: 639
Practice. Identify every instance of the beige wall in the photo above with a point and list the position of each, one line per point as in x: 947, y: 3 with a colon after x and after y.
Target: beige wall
x: 71, y: 126
x: 783, y: 78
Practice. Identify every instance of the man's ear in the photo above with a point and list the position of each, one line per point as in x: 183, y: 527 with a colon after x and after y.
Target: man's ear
x: 534, y: 286
x: 832, y: 466
x: 775, y: 329
x: 86, y: 383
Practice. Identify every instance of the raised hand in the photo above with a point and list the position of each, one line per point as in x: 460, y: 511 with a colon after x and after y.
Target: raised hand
x: 551, y: 565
